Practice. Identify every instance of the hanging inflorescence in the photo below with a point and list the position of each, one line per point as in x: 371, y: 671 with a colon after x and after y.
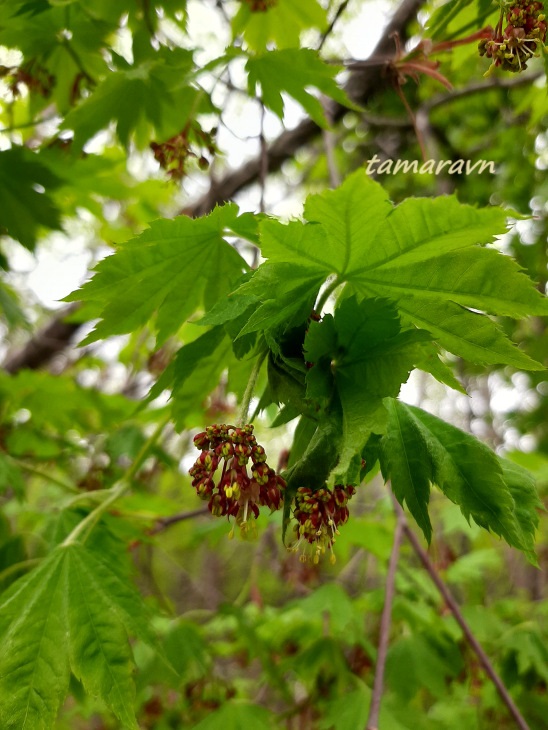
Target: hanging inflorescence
x: 220, y: 475
x: 522, y: 38
x: 318, y: 514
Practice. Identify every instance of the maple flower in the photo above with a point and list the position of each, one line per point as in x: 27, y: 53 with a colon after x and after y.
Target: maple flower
x: 318, y: 514
x: 220, y: 475
x: 522, y: 38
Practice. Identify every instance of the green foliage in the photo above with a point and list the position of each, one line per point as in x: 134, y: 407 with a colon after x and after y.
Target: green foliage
x: 282, y: 23
x: 72, y: 614
x: 169, y: 271
x: 24, y: 208
x: 420, y: 450
x: 292, y: 71
x: 122, y: 125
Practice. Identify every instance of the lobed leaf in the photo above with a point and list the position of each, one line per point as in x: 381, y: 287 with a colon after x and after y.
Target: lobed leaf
x: 419, y: 449
x: 171, y: 269
x: 293, y: 71
x: 73, y: 613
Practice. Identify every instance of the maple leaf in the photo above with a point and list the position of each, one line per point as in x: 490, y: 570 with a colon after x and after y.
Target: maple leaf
x: 282, y: 23
x: 419, y: 450
x: 173, y: 268
x: 26, y: 204
x: 48, y: 636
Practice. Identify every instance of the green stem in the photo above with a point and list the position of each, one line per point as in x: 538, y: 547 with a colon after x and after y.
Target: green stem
x: 327, y: 293
x: 46, y: 477
x: 94, y: 496
x: 16, y: 567
x: 246, y: 400
x: 78, y: 61
x: 84, y: 527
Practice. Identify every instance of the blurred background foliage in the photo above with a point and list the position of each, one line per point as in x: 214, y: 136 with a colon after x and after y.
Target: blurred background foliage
x: 115, y: 114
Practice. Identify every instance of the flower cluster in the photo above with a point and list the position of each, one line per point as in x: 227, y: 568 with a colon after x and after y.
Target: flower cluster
x: 260, y: 6
x: 173, y: 155
x: 220, y: 475
x: 32, y: 75
x: 522, y: 38
x: 318, y: 514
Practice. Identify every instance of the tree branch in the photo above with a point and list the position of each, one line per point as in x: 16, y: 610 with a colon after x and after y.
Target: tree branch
x: 361, y: 85
x: 45, y: 344
x: 466, y: 630
x: 386, y: 618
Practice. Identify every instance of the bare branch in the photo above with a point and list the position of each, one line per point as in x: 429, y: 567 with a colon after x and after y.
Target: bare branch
x: 46, y: 343
x: 466, y: 630
x: 164, y: 522
x: 386, y: 618
x: 361, y: 85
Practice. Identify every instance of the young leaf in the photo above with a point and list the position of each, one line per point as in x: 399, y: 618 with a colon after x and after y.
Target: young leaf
x: 466, y: 471
x: 368, y: 358
x: 414, y: 255
x: 406, y: 461
x: 145, y: 93
x: 23, y: 210
x: 282, y: 23
x: 172, y: 268
x: 292, y: 71
x: 34, y: 665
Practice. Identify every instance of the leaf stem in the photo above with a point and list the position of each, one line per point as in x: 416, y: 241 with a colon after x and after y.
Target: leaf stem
x: 84, y: 527
x: 328, y: 291
x: 46, y: 477
x: 16, y: 567
x: 386, y: 619
x: 250, y: 387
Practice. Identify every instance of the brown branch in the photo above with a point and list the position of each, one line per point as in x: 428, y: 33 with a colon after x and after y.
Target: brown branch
x: 164, y: 522
x: 466, y: 630
x: 327, y: 33
x: 361, y: 85
x: 386, y: 618
x: 45, y: 344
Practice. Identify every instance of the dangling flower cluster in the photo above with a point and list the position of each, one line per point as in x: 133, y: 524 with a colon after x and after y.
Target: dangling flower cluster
x: 260, y: 6
x: 233, y: 491
x: 521, y: 39
x: 173, y: 155
x: 318, y: 514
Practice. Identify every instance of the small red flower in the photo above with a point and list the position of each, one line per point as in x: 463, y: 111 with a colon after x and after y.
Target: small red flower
x: 220, y: 475
x: 318, y: 514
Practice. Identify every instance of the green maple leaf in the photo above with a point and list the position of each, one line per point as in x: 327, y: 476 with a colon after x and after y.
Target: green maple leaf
x: 23, y: 209
x: 419, y: 450
x: 72, y: 614
x: 282, y: 23
x: 292, y: 71
x: 197, y: 369
x: 171, y: 269
x: 367, y: 357
x: 425, y: 255
x: 143, y: 94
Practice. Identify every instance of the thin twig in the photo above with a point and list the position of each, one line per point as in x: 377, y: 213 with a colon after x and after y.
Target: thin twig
x: 85, y: 526
x: 480, y: 87
x: 386, y: 618
x: 455, y: 610
x: 67, y: 486
x: 329, y: 144
x: 329, y: 30
x: 263, y: 171
x: 164, y: 522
